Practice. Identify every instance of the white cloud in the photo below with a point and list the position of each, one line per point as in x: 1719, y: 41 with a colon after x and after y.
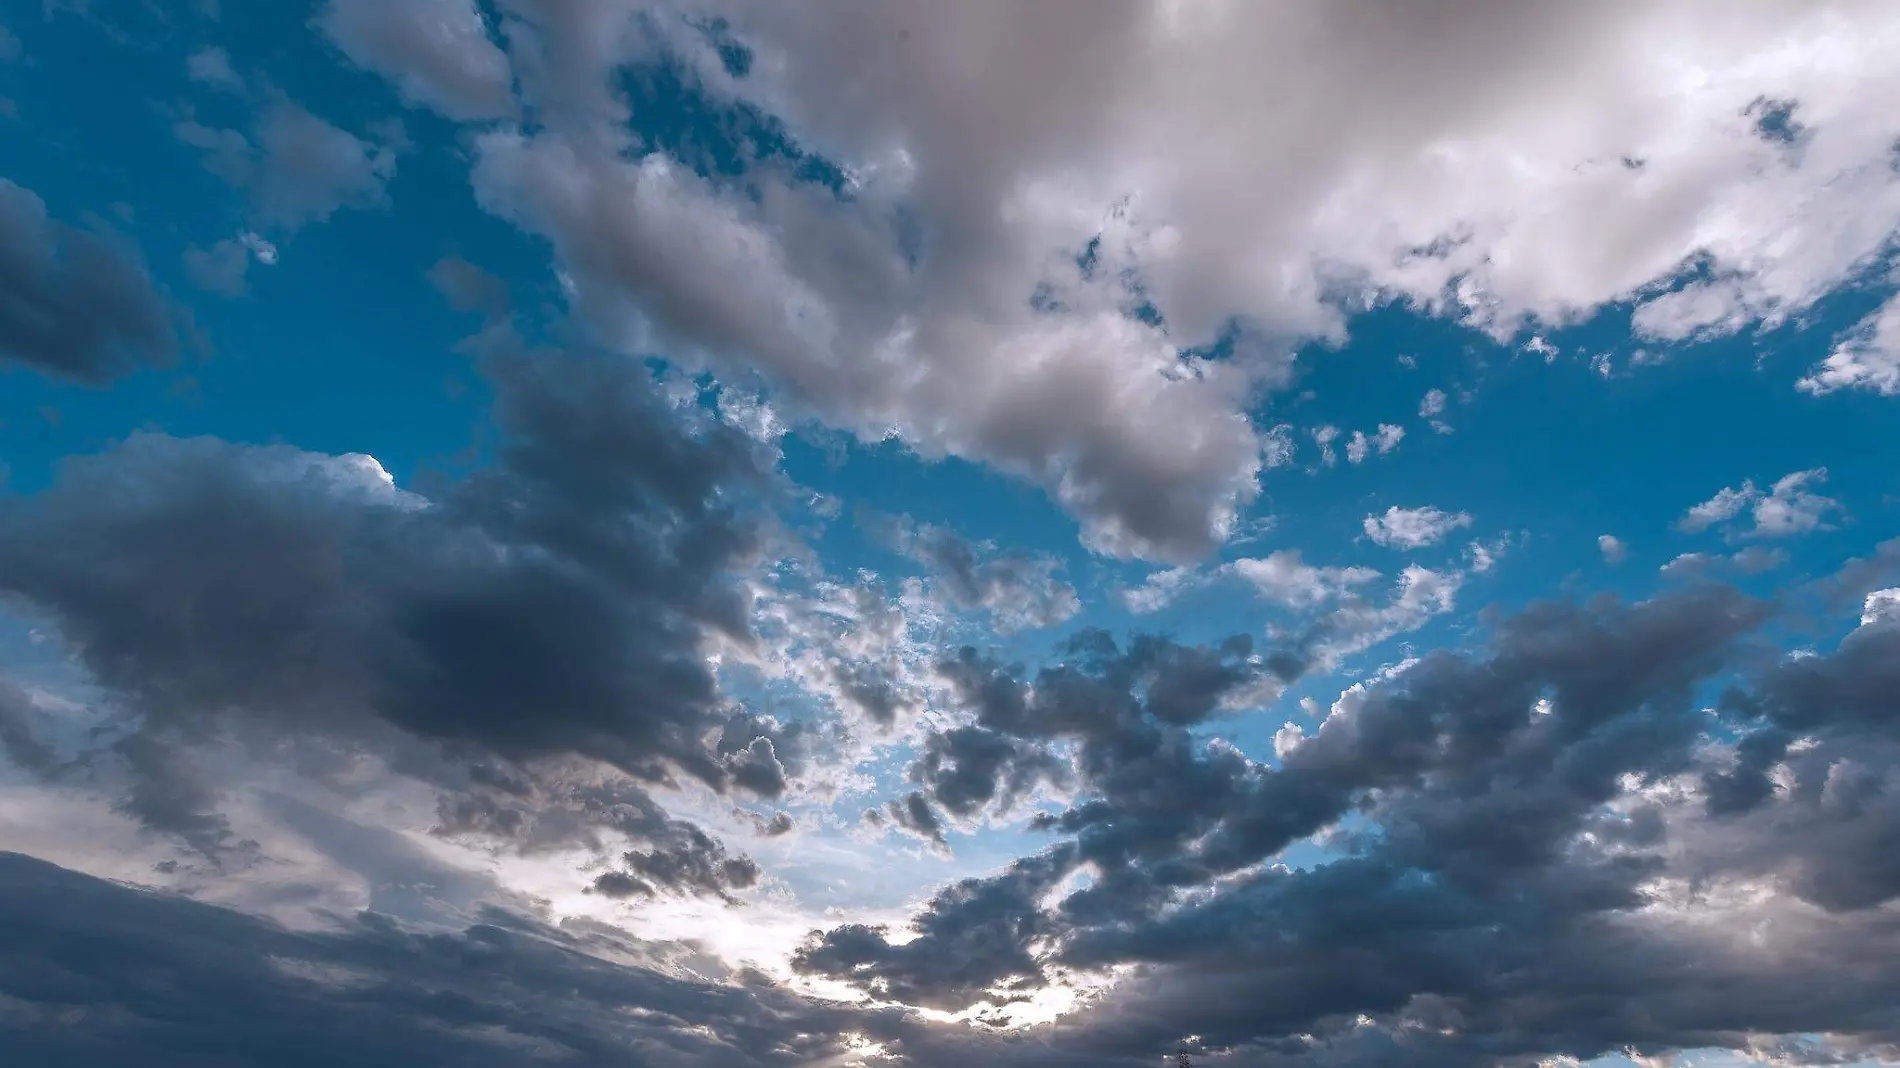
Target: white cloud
x: 1413, y: 528
x: 1357, y: 447
x: 1160, y: 589
x: 1433, y: 405
x: 1360, y: 446
x: 1724, y: 506
x: 1283, y: 578
x: 1276, y: 446
x: 1788, y: 508
x: 1867, y: 358
x: 1882, y: 606
x: 1324, y: 437
x: 1613, y: 550
x: 1420, y: 595
x: 1605, y: 147
x: 1699, y: 309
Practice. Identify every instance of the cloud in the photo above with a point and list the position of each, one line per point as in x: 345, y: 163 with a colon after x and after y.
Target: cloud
x: 1018, y: 590
x: 1283, y: 578
x: 555, y: 606
x: 77, y: 306
x: 224, y: 267
x: 173, y: 978
x: 1613, y: 550
x: 1552, y: 814
x: 1089, y: 408
x: 1360, y: 446
x: 1868, y: 358
x: 438, y: 52
x: 1505, y: 232
x: 1413, y: 528
x: 300, y: 170
x: 1881, y: 606
x: 212, y: 66
x: 1788, y: 509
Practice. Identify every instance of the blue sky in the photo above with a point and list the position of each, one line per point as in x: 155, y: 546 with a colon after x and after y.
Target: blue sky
x: 952, y: 510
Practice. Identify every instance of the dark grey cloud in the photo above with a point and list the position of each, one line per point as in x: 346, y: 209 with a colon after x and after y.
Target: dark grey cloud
x: 73, y: 304
x: 551, y: 607
x: 93, y: 972
x: 1518, y: 879
x: 973, y: 937
x: 20, y: 742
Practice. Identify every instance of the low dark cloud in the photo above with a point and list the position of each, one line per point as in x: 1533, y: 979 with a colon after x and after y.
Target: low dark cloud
x: 167, y: 982
x: 72, y: 303
x: 1547, y: 846
x: 552, y: 607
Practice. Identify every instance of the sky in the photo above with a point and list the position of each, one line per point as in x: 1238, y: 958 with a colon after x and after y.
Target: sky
x: 729, y: 533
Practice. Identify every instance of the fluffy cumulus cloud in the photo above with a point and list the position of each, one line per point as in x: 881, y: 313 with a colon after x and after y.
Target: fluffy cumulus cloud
x: 981, y: 269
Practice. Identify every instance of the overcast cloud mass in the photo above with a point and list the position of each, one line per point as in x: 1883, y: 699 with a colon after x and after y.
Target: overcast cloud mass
x: 726, y: 533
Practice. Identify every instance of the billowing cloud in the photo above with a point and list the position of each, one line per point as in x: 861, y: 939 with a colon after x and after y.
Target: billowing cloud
x: 1553, y: 814
x: 76, y: 306
x: 554, y: 606
x: 992, y: 260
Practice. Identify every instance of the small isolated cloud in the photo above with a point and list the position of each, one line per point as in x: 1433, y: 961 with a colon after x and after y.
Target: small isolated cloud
x: 1433, y: 404
x: 1276, y: 446
x: 1788, y: 508
x: 212, y: 66
x: 1866, y: 358
x: 1384, y: 441
x: 225, y: 267
x: 300, y: 169
x: 1613, y: 550
x: 1324, y: 437
x: 1413, y: 528
x: 1285, y: 579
